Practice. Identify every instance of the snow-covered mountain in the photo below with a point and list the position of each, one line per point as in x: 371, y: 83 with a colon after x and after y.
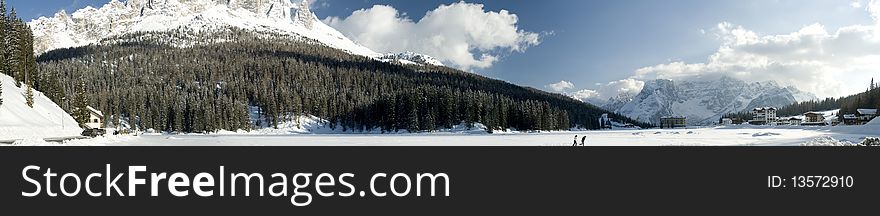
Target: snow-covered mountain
x: 618, y: 101
x: 704, y: 101
x: 411, y: 58
x: 119, y: 18
x: 19, y: 121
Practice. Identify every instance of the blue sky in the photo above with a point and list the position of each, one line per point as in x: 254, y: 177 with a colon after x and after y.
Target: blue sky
x: 597, y: 42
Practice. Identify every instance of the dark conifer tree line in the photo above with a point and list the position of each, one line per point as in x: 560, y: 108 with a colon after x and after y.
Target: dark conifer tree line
x: 800, y: 108
x: 866, y: 100
x: 220, y: 83
x: 16, y: 51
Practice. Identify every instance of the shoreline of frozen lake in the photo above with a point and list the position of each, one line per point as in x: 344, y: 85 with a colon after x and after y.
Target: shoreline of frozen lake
x: 649, y: 137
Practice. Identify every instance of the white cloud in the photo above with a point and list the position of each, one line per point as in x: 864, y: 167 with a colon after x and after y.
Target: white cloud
x: 602, y: 92
x: 813, y: 59
x: 873, y: 7
x: 856, y: 4
x: 615, y: 88
x: 624, y: 86
x: 463, y: 34
x: 585, y: 95
x: 561, y: 86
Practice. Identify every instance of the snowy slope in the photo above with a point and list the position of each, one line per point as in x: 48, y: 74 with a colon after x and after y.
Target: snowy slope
x: 704, y: 101
x: 117, y: 18
x: 18, y: 121
x: 616, y: 102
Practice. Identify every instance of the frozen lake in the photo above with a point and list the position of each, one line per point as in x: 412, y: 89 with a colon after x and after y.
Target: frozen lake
x: 752, y: 136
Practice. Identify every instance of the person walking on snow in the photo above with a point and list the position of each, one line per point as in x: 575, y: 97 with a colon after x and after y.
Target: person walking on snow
x: 575, y: 141
x: 583, y: 138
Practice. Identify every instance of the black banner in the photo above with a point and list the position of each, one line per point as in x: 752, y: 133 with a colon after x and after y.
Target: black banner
x: 485, y: 180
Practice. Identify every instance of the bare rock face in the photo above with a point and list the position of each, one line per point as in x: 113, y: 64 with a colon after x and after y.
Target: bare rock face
x: 269, y: 8
x: 305, y: 16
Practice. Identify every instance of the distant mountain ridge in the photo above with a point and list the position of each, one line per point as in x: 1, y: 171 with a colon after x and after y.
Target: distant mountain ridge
x: 121, y: 18
x: 703, y: 101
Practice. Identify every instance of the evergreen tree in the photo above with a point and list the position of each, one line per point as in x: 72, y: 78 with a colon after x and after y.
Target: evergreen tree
x: 27, y: 61
x: 80, y: 110
x: 4, y: 65
x: 29, y: 96
x: 13, y: 48
x: 872, y: 86
x: 17, y: 58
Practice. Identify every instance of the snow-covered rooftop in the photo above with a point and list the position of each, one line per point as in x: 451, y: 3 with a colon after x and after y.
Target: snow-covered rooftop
x: 867, y: 111
x: 97, y: 112
x: 764, y: 108
x: 671, y: 117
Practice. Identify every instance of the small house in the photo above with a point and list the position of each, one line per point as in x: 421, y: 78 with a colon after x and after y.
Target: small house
x: 850, y: 119
x: 726, y: 121
x: 794, y: 121
x: 96, y: 119
x: 814, y: 118
x: 673, y: 121
x: 865, y: 115
x: 782, y: 121
x: 736, y: 120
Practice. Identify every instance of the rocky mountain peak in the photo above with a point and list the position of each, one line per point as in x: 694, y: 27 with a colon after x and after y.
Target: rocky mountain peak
x: 91, y: 25
x: 704, y: 101
x: 272, y: 17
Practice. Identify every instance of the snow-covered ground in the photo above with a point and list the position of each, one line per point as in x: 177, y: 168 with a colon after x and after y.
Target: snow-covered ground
x: 18, y: 121
x: 702, y: 136
x: 717, y: 136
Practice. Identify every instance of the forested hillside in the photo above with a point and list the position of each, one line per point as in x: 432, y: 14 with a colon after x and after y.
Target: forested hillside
x: 152, y: 82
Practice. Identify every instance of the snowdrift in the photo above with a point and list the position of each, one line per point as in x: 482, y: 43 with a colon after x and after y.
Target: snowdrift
x: 18, y: 121
x: 872, y: 128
